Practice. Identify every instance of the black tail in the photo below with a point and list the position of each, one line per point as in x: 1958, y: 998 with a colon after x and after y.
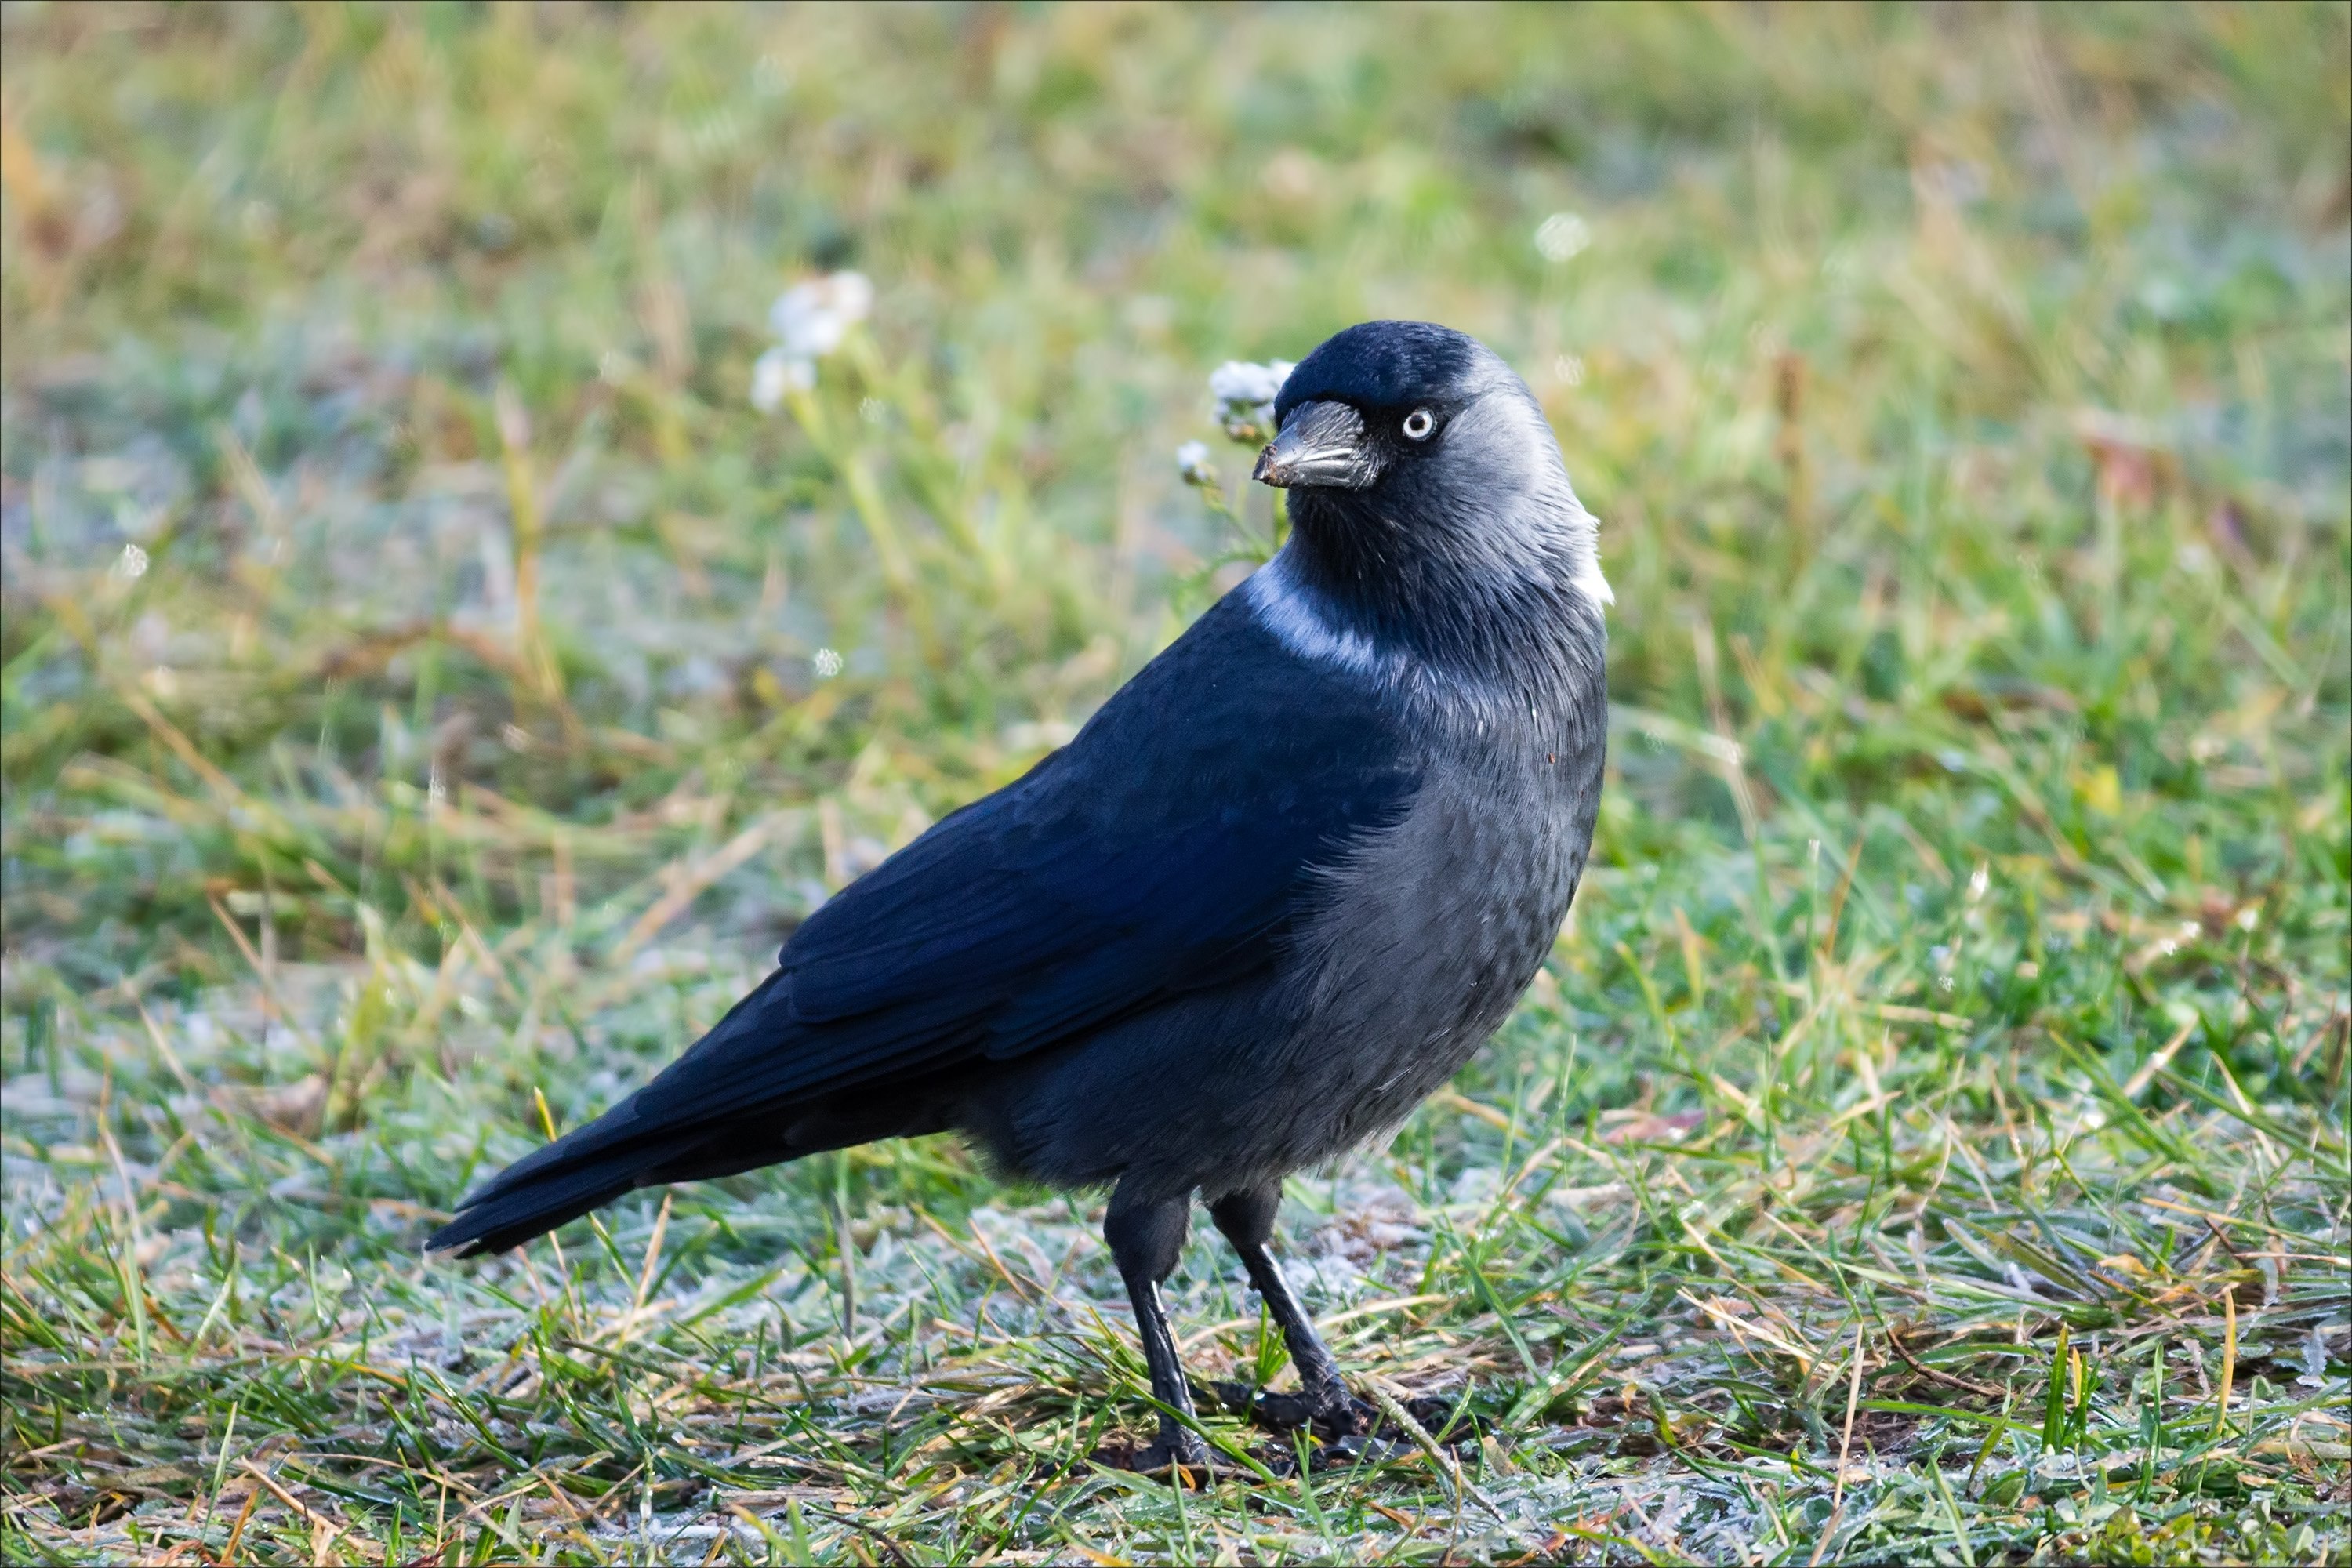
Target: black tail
x: 583, y: 1169
x: 624, y: 1148
x: 682, y: 1127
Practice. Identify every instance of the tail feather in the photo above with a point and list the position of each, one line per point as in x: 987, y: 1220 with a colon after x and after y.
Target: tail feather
x: 583, y: 1169
x: 511, y: 1221
x: 626, y: 1148
x: 694, y: 1122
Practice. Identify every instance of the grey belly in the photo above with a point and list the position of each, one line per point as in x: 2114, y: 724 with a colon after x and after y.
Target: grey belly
x: 1430, y: 935
x: 1435, y: 941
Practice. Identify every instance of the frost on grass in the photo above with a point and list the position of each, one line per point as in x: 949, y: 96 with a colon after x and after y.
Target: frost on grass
x: 1596, y: 1294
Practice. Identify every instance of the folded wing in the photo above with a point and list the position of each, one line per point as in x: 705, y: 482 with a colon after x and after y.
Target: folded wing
x: 1171, y: 844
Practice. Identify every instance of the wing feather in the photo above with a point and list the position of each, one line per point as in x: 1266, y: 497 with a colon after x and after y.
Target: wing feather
x: 1172, y: 844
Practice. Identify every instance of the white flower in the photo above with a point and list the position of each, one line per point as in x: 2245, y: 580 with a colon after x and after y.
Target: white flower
x: 827, y: 664
x: 1238, y: 382
x: 1561, y: 236
x: 810, y: 321
x: 132, y: 563
x: 1246, y: 394
x: 776, y: 372
x: 1192, y: 463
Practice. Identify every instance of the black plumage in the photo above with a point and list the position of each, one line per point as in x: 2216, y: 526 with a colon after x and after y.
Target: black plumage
x: 1277, y: 889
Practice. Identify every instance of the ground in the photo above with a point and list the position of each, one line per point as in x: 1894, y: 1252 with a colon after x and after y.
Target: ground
x: 432, y: 688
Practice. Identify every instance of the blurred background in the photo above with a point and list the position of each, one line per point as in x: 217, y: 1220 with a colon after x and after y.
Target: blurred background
x: 440, y: 662
x: 380, y: 430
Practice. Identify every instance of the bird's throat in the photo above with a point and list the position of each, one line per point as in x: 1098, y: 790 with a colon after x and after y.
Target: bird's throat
x: 1426, y: 595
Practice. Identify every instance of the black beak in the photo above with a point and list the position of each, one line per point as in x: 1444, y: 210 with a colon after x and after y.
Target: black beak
x: 1321, y: 443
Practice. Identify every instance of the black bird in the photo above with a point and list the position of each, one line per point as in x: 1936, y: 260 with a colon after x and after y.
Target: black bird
x: 1276, y: 892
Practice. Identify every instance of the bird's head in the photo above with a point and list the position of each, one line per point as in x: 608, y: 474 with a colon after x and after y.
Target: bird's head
x: 1424, y: 480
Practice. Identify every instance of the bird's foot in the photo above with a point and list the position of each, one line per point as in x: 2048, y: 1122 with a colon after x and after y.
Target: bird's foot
x: 1338, y: 1414
x: 1177, y: 1448
x: 1330, y: 1414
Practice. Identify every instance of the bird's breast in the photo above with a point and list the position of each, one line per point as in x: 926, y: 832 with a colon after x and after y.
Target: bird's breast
x: 1435, y: 926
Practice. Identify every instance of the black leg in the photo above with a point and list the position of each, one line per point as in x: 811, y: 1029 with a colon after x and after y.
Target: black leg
x: 1247, y: 1220
x: 1145, y: 1239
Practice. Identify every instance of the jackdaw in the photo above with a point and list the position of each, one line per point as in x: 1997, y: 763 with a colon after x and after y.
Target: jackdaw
x: 1277, y: 889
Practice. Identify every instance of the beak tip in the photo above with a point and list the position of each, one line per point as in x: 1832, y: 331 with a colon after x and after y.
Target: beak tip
x: 1321, y: 447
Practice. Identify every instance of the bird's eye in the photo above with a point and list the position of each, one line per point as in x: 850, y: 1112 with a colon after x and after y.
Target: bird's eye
x: 1418, y: 423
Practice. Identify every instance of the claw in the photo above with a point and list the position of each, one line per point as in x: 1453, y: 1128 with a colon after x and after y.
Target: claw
x: 1330, y: 1417
x: 1180, y: 1451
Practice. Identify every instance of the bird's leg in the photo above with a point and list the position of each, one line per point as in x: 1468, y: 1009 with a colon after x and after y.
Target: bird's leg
x: 1145, y: 1236
x: 1247, y: 1220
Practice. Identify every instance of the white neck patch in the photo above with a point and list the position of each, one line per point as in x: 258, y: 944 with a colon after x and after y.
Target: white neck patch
x: 1288, y: 609
x: 1298, y: 620
x: 1591, y: 583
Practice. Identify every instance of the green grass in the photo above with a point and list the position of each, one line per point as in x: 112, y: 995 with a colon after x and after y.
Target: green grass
x: 1927, y: 1139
